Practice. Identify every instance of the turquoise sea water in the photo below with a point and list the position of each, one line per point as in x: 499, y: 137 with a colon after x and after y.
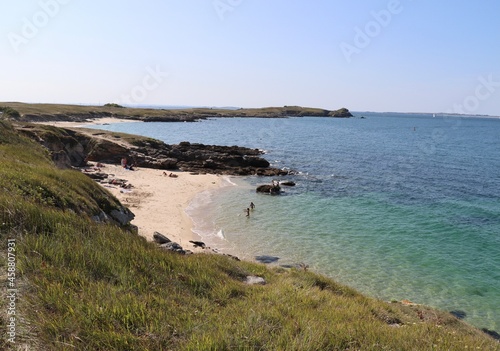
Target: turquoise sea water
x: 397, y: 206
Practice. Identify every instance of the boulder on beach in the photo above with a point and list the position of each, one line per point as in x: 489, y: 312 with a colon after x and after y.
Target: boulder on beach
x: 198, y: 243
x: 160, y: 238
x: 172, y: 246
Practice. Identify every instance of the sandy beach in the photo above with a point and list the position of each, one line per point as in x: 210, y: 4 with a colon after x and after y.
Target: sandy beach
x: 97, y: 121
x: 158, y: 201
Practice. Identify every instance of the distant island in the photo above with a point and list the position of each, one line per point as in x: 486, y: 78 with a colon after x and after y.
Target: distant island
x: 60, y: 112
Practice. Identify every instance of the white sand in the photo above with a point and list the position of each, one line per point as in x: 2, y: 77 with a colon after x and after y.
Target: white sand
x: 159, y: 201
x: 97, y: 121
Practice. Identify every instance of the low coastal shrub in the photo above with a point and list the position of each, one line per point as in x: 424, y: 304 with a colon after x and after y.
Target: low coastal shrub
x: 112, y: 104
x: 9, y: 112
x: 89, y: 286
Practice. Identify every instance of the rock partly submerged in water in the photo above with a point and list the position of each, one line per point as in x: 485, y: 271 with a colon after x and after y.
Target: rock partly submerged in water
x: 267, y: 259
x: 272, y: 189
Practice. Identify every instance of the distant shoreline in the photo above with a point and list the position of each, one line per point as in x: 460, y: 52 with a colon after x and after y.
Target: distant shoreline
x: 74, y: 113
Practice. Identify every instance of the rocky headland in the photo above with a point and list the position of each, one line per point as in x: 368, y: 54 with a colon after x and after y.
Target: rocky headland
x: 70, y: 147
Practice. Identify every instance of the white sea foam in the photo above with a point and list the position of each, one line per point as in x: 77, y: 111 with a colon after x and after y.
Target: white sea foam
x: 220, y: 234
x: 227, y: 181
x: 202, y: 211
x: 200, y: 200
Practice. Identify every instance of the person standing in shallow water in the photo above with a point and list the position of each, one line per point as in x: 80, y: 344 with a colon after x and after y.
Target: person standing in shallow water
x: 248, y: 212
x: 252, y: 205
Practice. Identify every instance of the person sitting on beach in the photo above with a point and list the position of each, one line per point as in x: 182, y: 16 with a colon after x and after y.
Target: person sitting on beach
x: 126, y: 165
x: 173, y: 175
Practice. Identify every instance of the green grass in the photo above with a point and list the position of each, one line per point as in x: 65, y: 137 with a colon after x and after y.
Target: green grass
x: 89, y: 286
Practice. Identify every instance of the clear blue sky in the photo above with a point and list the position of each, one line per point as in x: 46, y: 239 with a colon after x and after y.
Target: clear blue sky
x: 388, y: 55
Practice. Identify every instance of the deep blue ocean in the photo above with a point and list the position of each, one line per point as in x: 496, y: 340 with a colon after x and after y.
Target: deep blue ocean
x: 398, y: 206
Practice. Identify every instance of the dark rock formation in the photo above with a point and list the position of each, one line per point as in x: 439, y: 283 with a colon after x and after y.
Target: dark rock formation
x: 495, y: 335
x: 122, y: 216
x: 167, y: 244
x: 267, y: 259
x: 107, y: 151
x: 272, y: 189
x: 341, y: 113
x: 70, y: 148
x: 97, y: 176
x: 174, y: 247
x: 287, y: 183
x: 198, y: 243
x: 160, y: 238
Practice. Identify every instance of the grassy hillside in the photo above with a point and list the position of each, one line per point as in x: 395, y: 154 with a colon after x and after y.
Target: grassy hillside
x: 88, y: 286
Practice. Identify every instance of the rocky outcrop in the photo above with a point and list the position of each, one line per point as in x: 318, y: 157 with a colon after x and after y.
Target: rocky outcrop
x: 107, y: 151
x: 174, y: 247
x: 341, y: 113
x: 67, y: 147
x: 188, y: 157
x: 160, y: 238
x: 71, y: 148
x: 122, y: 216
x: 167, y: 244
x: 271, y: 189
